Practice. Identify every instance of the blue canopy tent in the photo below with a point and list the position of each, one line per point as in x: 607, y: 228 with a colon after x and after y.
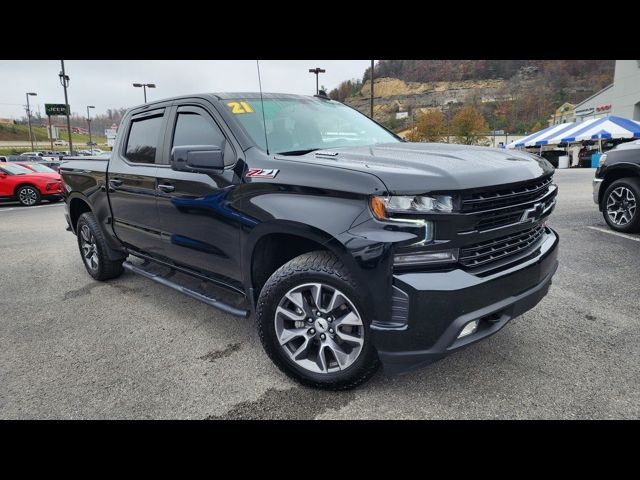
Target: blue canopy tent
x: 531, y: 140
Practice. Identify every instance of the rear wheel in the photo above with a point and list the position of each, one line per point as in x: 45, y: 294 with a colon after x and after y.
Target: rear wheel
x: 621, y: 205
x: 314, y: 325
x: 93, y: 248
x: 28, y: 195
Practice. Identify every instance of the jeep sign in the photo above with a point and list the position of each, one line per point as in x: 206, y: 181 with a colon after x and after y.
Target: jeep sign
x: 56, y: 109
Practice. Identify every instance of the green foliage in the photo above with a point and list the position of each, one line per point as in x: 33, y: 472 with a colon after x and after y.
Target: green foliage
x: 348, y: 88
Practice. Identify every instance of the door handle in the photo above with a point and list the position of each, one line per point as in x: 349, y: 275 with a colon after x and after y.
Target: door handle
x: 166, y: 188
x: 116, y: 182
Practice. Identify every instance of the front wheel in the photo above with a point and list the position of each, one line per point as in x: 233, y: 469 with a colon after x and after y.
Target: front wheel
x: 621, y: 205
x: 314, y: 325
x: 28, y: 195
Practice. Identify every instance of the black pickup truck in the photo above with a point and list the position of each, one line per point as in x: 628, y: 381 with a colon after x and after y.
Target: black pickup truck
x: 351, y: 246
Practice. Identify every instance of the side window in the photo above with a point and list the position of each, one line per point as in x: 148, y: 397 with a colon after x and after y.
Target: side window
x: 143, y: 140
x: 195, y: 129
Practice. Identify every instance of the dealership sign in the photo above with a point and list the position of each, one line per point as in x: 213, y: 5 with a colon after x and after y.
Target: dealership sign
x: 56, y: 109
x: 603, y: 108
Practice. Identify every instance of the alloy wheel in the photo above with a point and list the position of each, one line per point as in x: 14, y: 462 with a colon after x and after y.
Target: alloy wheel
x: 89, y: 248
x: 319, y: 328
x: 621, y: 206
x: 28, y: 196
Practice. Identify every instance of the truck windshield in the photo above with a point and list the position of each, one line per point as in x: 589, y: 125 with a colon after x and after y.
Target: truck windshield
x: 299, y: 125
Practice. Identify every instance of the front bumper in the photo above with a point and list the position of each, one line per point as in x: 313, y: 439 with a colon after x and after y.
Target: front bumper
x: 597, y: 182
x: 441, y: 303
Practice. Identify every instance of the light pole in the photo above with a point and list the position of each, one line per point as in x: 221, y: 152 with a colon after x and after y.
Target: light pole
x: 64, y: 80
x: 144, y: 87
x: 371, y: 116
x: 317, y: 71
x: 89, y: 123
x: 30, y: 94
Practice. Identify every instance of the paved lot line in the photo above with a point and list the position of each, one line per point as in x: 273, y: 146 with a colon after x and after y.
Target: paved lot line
x: 617, y: 234
x: 24, y: 209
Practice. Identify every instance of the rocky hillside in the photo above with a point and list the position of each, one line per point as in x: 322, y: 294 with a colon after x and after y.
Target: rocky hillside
x: 513, y: 95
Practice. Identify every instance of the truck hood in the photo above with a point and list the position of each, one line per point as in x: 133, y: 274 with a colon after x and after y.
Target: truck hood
x: 415, y: 168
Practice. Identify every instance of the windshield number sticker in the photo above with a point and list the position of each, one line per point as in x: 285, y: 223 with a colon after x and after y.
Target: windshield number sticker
x: 240, y: 107
x: 261, y: 173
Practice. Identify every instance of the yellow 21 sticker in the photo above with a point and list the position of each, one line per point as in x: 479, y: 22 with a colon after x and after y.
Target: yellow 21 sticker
x: 240, y: 107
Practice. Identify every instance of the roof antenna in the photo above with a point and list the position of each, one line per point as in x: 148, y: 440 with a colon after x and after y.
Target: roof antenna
x: 264, y: 121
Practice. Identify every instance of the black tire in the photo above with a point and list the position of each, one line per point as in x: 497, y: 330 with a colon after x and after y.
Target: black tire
x: 28, y: 196
x: 632, y: 184
x: 105, y: 268
x: 320, y: 266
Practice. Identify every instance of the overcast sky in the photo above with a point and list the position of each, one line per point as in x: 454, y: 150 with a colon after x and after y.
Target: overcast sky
x: 107, y: 83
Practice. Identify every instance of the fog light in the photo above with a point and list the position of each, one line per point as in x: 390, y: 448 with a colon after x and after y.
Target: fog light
x: 469, y: 328
x: 425, y: 258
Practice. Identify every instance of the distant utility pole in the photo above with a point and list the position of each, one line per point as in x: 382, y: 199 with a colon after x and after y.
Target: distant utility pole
x: 64, y: 80
x: 89, y: 124
x: 33, y: 94
x: 317, y: 71
x: 371, y: 116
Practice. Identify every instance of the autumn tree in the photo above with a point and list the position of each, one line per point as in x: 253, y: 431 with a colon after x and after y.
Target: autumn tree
x: 430, y: 126
x: 412, y: 135
x: 469, y: 126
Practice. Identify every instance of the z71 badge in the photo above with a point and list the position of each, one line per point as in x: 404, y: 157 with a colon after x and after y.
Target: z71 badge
x: 262, y: 173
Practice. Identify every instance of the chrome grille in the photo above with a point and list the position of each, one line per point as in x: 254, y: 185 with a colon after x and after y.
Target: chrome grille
x: 496, y: 249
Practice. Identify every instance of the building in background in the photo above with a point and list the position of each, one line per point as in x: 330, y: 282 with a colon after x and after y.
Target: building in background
x: 621, y: 98
x: 563, y: 114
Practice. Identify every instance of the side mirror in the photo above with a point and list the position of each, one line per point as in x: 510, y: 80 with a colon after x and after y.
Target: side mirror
x: 197, y: 158
x: 3, y: 175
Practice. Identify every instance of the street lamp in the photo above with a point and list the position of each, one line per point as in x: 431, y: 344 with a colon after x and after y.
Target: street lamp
x: 317, y: 71
x: 89, y: 123
x: 30, y: 94
x: 145, y: 86
x: 64, y: 81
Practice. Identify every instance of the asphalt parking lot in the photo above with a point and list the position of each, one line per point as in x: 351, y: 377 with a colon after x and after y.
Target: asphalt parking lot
x: 74, y: 348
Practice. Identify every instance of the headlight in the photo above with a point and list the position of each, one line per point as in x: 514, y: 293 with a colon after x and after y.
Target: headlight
x: 382, y: 206
x: 603, y: 157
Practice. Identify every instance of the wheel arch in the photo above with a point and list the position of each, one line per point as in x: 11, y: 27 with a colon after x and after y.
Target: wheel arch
x: 78, y: 205
x: 616, y: 172
x: 272, y: 244
x: 25, y: 184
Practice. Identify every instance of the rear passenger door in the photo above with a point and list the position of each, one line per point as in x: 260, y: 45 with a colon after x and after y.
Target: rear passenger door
x: 199, y: 227
x: 132, y: 181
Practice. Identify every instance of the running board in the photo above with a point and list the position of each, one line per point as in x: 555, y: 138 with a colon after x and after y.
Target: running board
x: 209, y: 300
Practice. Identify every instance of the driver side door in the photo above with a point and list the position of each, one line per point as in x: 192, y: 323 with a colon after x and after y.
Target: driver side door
x: 199, y: 229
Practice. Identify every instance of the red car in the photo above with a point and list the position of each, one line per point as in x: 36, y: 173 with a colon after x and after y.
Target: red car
x: 28, y: 186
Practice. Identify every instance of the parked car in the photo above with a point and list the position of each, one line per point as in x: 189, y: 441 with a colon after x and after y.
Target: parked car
x: 616, y: 187
x: 61, y: 143
x: 3, y: 158
x: 27, y: 186
x: 41, y: 168
x: 366, y: 251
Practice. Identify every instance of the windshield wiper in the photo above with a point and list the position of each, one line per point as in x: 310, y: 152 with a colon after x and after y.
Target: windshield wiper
x: 299, y: 152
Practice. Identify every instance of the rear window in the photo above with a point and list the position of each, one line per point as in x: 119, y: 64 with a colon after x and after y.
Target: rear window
x: 143, y: 140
